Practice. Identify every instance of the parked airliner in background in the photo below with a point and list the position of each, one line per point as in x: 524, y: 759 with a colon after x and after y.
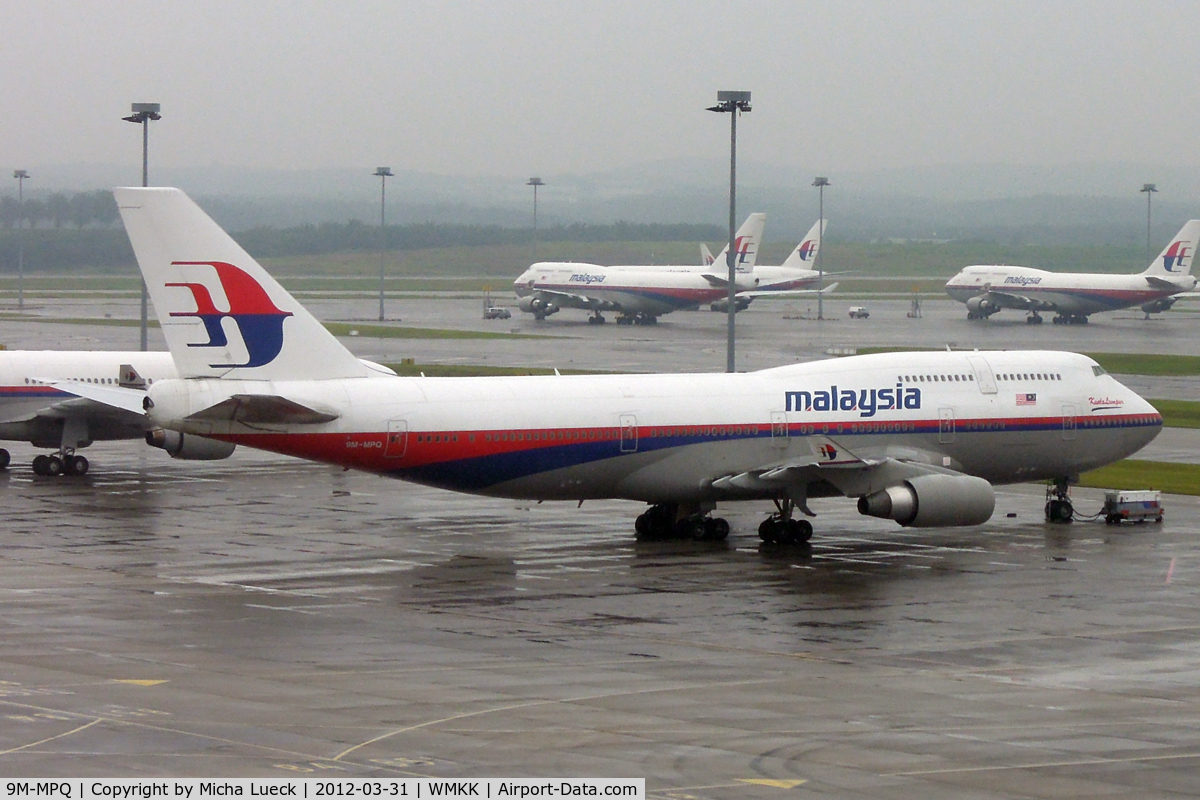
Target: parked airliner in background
x: 793, y: 278
x: 640, y: 294
x: 919, y: 438
x: 1075, y: 295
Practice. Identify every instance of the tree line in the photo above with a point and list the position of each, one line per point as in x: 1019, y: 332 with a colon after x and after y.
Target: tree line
x: 59, y: 210
x: 83, y: 232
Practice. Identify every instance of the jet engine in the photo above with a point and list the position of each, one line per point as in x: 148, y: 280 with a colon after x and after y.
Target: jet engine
x: 537, y: 305
x: 981, y: 306
x: 933, y: 501
x: 739, y: 304
x: 189, y: 447
x: 1161, y: 304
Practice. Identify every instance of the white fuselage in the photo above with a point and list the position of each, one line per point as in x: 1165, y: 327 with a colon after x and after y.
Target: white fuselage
x: 1003, y: 416
x: 650, y: 290
x: 1074, y: 293
x: 629, y: 290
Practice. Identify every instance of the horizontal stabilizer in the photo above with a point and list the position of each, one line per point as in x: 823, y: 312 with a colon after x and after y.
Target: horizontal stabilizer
x: 1164, y: 284
x: 262, y: 409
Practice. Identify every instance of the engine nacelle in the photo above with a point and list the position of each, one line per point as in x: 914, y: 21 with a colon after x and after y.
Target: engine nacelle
x: 536, y: 304
x: 188, y: 446
x: 739, y: 304
x: 981, y: 305
x: 1161, y: 304
x: 933, y: 501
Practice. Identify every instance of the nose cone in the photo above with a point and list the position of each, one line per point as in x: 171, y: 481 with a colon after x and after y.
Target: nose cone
x: 1143, y: 422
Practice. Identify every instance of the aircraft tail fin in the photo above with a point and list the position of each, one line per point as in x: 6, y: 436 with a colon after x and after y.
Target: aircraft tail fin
x: 1176, y: 258
x: 746, y: 242
x: 221, y: 313
x: 805, y: 254
x: 706, y: 256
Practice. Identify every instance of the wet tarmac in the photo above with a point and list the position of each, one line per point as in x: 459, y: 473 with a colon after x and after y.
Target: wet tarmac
x: 263, y: 616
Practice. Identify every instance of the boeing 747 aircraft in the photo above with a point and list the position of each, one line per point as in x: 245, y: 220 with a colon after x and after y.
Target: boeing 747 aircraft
x: 1073, y: 296
x: 919, y: 438
x: 639, y: 294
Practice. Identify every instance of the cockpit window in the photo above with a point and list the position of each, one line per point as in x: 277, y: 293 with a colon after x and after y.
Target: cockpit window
x: 1098, y: 370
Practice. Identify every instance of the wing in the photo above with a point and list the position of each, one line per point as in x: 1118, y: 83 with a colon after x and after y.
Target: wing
x: 853, y: 474
x: 573, y: 300
x: 789, y: 292
x: 1020, y: 301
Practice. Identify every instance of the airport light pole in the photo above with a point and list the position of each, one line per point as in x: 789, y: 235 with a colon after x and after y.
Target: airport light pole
x: 732, y: 103
x: 142, y: 114
x: 820, y: 183
x: 1149, y: 189
x: 535, y: 182
x: 383, y: 173
x: 20, y: 175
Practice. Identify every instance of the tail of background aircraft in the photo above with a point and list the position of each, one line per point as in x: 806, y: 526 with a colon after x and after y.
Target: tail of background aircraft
x: 222, y: 314
x: 805, y: 254
x: 706, y: 256
x: 1176, y: 258
x: 747, y: 240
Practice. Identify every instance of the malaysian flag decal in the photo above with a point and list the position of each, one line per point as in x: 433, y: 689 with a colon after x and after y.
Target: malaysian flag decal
x: 1027, y: 398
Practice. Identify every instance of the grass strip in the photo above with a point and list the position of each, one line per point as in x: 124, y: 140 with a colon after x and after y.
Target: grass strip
x: 1124, y: 363
x: 336, y: 328
x: 1178, y: 413
x: 1134, y: 474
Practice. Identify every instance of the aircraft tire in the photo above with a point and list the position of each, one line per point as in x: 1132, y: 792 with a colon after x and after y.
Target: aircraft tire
x: 802, y: 530
x: 1059, y: 511
x: 718, y: 529
x: 5, y: 458
x: 76, y: 465
x: 39, y: 465
x: 54, y: 466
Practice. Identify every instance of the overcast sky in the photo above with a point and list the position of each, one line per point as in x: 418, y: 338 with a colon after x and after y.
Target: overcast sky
x: 543, y: 88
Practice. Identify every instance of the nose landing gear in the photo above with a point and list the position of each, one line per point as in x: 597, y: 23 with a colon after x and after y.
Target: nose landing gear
x: 1058, y: 502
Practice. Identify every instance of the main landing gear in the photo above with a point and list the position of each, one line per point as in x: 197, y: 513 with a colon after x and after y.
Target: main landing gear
x: 65, y: 461
x: 780, y: 528
x: 56, y: 464
x: 662, y: 521
x: 1034, y: 319
x: 1058, y: 502
x: 640, y: 318
x: 597, y: 319
x: 1071, y: 319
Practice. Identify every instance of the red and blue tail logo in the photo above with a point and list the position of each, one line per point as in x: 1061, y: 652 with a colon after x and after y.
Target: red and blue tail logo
x: 1175, y: 255
x: 741, y: 246
x: 807, y: 250
x: 258, y: 320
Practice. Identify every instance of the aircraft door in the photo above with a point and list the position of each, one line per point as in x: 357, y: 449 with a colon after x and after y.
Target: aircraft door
x: 779, y: 429
x: 397, y: 439
x: 1068, y: 430
x: 945, y: 425
x: 983, y: 374
x: 629, y: 433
